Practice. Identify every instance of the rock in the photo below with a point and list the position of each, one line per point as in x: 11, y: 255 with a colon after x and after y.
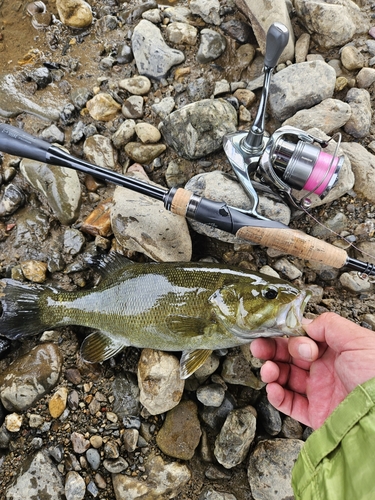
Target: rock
x: 115, y: 466
x: 12, y: 198
x: 353, y: 282
x: 75, y: 486
x: 270, y: 467
x: 133, y: 107
x: 211, y: 494
x: 236, y: 370
x: 352, y: 58
x: 365, y: 78
x: 209, y: 11
x: 147, y: 133
x: 296, y: 87
x: 130, y: 438
x: 181, y: 33
x: 328, y: 116
x: 215, y: 417
x: 164, y: 108
x: 178, y: 172
x: 103, y: 107
x: 60, y: 185
x: 197, y: 129
x: 138, y: 226
x: 79, y: 443
x: 153, y: 57
x: 53, y: 134
x: 99, y: 151
x: 124, y: 133
x: 181, y: 431
x: 287, y: 268
x: 269, y: 417
x: 302, y: 48
x: 330, y: 23
x: 291, y: 428
x: 136, y: 85
x: 126, y: 393
x: 34, y: 270
x: 14, y: 101
x: 74, y: 13
x: 234, y: 440
x: 212, y: 46
x: 360, y: 120
x: 261, y: 15
x: 57, y: 403
x: 144, y: 153
x: 363, y: 165
x: 30, y: 377
x: 98, y: 222
x: 220, y: 187
x: 163, y: 480
x: 159, y: 381
x: 211, y: 395
x: 13, y: 422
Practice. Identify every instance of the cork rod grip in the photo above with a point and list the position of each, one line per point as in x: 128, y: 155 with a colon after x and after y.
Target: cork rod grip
x: 295, y: 243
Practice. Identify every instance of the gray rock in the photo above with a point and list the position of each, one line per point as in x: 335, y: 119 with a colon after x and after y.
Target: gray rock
x: 98, y: 150
x: 337, y: 223
x: 178, y: 14
x: 126, y: 392
x: 331, y: 23
x: 287, y: 268
x: 353, y: 282
x: 328, y: 116
x: 234, y: 440
x: 124, y: 133
x: 138, y: 226
x: 261, y: 15
x: 198, y: 128
x: 13, y: 101
x: 159, y: 381
x: 73, y: 241
x: 211, y: 395
x: 93, y: 458
x: 181, y: 33
x: 116, y: 465
x: 75, y: 486
x: 297, y: 87
x: 154, y: 58
x: 163, y: 480
x: 133, y: 107
x: 37, y: 478
x: 212, y: 46
x: 209, y: 10
x: 30, y: 377
x: 270, y: 468
x: 360, y: 120
x: 53, y: 134
x: 212, y: 494
x: 215, y: 417
x: 269, y: 417
x: 365, y: 78
x: 60, y: 185
x: 363, y: 165
x: 164, y: 108
x: 237, y: 371
x: 11, y: 199
x: 218, y: 186
x: 137, y: 85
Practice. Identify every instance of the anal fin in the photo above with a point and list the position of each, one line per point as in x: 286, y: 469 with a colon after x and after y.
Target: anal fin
x: 98, y: 346
x: 192, y: 360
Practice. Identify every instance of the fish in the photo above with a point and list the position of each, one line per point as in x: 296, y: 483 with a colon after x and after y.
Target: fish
x: 191, y: 307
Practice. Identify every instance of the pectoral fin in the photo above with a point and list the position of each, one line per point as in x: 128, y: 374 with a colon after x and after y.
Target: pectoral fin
x: 98, y: 347
x: 192, y: 360
x: 188, y: 326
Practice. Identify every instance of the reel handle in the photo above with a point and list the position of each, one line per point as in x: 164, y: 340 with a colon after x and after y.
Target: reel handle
x: 276, y: 41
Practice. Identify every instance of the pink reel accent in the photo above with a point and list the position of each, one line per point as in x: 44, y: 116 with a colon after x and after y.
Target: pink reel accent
x: 321, y: 174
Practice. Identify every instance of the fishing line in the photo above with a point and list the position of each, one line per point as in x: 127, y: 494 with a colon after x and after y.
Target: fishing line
x: 362, y: 275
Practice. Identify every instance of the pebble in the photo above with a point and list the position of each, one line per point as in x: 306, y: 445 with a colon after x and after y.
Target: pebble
x: 75, y: 486
x: 98, y: 150
x: 137, y: 85
x: 130, y: 438
x: 234, y: 440
x: 34, y: 270
x: 363, y: 165
x: 147, y: 133
x: 79, y: 442
x: 30, y: 377
x: 209, y: 11
x: 181, y: 432
x: 164, y: 108
x: 111, y: 450
x: 269, y: 416
x: 285, y: 267
x: 11, y: 199
x: 236, y: 370
x: 73, y: 241
x: 57, y: 403
x: 13, y: 422
x: 270, y: 466
x: 353, y: 282
x: 212, y: 46
x: 211, y: 494
x: 124, y: 133
x: 93, y: 458
x: 352, y: 58
x: 60, y: 186
x: 153, y: 57
x: 74, y: 13
x: 197, y: 129
x: 144, y: 153
x: 98, y: 222
x: 126, y: 393
x: 215, y: 417
x: 103, y: 107
x: 181, y: 33
x: 211, y: 395
x: 133, y: 107
x: 159, y: 381
x: 361, y: 113
x: 115, y: 466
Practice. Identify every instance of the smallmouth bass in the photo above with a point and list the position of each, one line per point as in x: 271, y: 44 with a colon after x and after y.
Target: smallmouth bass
x: 190, y: 307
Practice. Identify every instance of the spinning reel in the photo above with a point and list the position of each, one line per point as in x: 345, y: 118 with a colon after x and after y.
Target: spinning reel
x: 290, y: 158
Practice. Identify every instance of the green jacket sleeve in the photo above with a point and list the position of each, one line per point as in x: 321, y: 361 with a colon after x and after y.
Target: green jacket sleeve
x: 337, y: 461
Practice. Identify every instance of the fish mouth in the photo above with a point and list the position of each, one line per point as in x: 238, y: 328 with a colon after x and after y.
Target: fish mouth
x: 290, y: 319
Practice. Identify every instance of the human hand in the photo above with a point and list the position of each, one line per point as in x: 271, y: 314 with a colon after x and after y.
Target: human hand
x: 307, y: 377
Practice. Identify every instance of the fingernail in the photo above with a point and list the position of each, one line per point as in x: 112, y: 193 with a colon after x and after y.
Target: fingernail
x: 304, y: 350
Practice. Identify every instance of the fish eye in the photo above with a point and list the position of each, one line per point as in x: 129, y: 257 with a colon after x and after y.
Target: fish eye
x: 270, y: 293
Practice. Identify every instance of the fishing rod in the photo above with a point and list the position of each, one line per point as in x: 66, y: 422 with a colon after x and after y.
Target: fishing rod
x: 182, y: 202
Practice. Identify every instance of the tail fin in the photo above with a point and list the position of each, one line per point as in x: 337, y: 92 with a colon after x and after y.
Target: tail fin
x: 19, y: 309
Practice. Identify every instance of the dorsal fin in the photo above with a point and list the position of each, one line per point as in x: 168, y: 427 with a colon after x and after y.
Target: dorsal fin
x: 107, y: 264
